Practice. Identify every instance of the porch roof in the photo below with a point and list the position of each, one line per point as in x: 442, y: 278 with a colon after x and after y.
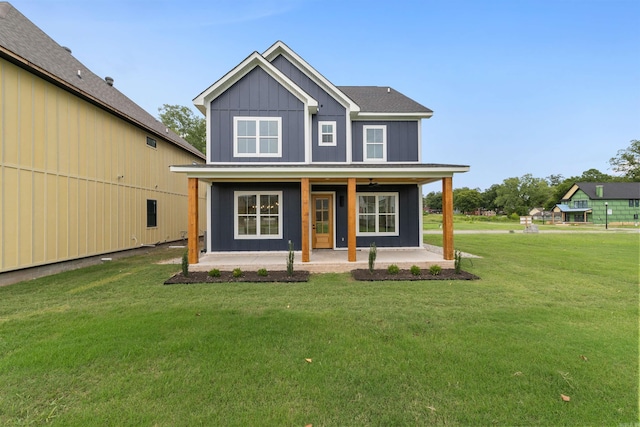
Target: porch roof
x: 421, y: 173
x: 565, y: 208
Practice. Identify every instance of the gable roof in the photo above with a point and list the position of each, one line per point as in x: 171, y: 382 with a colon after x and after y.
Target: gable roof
x: 26, y: 45
x: 379, y: 99
x: 252, y: 61
x: 610, y: 190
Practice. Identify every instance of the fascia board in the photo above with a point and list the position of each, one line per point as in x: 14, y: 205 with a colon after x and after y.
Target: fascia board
x: 390, y: 116
x: 571, y: 192
x: 279, y: 48
x: 241, y: 70
x: 269, y: 172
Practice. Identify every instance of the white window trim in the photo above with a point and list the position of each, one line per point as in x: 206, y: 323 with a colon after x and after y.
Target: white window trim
x: 396, y: 213
x: 257, y: 236
x: 333, y: 134
x: 257, y: 120
x: 384, y: 143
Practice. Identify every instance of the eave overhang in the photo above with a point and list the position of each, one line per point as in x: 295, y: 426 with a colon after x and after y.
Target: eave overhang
x: 419, y: 173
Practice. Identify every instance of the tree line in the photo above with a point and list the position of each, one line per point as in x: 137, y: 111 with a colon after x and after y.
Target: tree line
x: 521, y: 194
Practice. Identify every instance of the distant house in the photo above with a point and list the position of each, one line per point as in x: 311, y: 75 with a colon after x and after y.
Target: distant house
x: 292, y: 157
x: 600, y: 203
x: 84, y: 171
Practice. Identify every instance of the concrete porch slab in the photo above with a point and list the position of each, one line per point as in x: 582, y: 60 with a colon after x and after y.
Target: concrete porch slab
x: 322, y: 260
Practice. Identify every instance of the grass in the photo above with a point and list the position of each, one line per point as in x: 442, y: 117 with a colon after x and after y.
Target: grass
x: 552, y: 315
x: 433, y: 222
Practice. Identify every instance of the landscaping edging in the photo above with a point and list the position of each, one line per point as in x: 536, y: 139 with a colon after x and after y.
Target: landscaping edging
x: 248, y: 276
x: 382, y: 275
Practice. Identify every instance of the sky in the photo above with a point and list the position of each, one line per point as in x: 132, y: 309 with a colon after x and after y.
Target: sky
x: 517, y: 87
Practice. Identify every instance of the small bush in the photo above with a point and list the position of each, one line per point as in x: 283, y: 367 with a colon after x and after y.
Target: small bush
x: 185, y: 264
x: 415, y: 270
x: 290, y: 257
x: 214, y: 272
x: 457, y: 259
x: 237, y: 272
x: 263, y: 272
x: 435, y: 270
x: 373, y: 253
x: 393, y: 269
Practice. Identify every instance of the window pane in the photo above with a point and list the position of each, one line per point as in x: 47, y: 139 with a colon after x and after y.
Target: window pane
x: 246, y: 128
x: 327, y: 138
x: 367, y: 223
x: 247, y: 225
x: 387, y: 224
x: 268, y: 145
x: 268, y: 128
x: 374, y: 135
x: 246, y: 145
x: 269, y: 225
x: 269, y: 204
x: 367, y: 204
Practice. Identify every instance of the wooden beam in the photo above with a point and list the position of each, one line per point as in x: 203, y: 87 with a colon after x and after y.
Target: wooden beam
x: 447, y: 218
x: 194, y: 238
x: 305, y: 191
x: 351, y: 219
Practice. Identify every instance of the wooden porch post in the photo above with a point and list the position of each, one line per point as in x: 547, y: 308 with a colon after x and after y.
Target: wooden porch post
x: 305, y: 219
x: 447, y: 218
x: 193, y: 242
x: 351, y: 219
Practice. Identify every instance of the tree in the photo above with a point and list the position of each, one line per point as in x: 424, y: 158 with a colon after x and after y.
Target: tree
x: 520, y: 195
x: 467, y: 199
x: 433, y: 201
x: 185, y: 123
x: 489, y: 197
x: 627, y: 161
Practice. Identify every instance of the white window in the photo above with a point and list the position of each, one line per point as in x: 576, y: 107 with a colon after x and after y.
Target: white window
x: 257, y: 215
x: 374, y: 143
x: 377, y: 214
x: 257, y: 136
x: 326, y: 133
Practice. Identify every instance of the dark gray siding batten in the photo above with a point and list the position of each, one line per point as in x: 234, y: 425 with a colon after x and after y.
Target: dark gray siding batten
x: 402, y: 140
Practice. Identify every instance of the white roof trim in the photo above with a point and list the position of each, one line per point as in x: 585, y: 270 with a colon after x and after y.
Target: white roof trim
x: 391, y: 116
x: 252, y: 61
x: 279, y: 48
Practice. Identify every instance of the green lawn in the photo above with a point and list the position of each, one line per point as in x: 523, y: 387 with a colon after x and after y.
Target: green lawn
x: 464, y: 222
x: 553, y: 315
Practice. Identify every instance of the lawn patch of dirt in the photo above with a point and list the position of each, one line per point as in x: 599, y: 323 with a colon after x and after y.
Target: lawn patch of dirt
x: 248, y: 276
x: 445, y: 274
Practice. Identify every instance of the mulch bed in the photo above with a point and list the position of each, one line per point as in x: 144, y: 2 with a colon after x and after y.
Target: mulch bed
x: 247, y: 276
x: 445, y: 274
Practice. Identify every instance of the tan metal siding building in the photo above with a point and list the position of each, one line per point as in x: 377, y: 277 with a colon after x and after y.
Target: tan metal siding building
x: 76, y: 171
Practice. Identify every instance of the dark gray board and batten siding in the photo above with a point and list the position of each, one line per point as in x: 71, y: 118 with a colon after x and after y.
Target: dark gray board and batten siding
x: 257, y: 94
x: 402, y: 140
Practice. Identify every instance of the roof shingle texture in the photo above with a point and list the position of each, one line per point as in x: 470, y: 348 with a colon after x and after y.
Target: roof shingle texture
x: 23, y: 38
x: 611, y: 190
x: 382, y: 99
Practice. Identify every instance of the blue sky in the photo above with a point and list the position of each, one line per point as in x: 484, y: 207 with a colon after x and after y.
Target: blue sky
x: 517, y: 86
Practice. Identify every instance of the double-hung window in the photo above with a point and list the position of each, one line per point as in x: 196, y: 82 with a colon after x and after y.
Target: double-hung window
x: 257, y: 136
x: 374, y: 143
x: 377, y: 214
x: 326, y: 133
x: 258, y: 215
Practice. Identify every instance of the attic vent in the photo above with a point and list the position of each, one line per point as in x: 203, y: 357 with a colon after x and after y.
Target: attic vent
x: 67, y: 49
x: 599, y: 191
x: 109, y: 80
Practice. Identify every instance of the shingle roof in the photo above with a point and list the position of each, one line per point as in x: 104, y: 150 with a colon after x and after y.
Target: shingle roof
x: 22, y: 42
x: 382, y: 99
x: 611, y: 190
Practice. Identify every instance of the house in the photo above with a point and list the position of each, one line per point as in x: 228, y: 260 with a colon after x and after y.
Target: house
x: 84, y: 171
x: 601, y: 203
x: 293, y: 157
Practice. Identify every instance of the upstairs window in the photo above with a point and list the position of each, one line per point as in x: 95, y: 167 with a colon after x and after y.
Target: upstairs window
x: 375, y: 143
x: 634, y: 203
x: 326, y: 133
x: 580, y: 204
x: 151, y: 142
x: 257, y: 137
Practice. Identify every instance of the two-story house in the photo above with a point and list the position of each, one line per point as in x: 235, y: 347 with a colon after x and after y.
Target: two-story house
x: 292, y: 157
x: 601, y: 203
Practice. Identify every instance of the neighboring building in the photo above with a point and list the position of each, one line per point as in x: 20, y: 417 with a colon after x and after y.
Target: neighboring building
x: 292, y: 157
x: 84, y: 171
x: 600, y: 203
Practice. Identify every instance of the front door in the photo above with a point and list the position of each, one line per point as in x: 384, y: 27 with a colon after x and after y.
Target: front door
x: 322, y: 222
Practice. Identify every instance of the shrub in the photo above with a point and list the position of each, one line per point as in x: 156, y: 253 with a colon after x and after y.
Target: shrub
x: 263, y: 272
x: 214, y: 272
x: 290, y: 257
x: 393, y: 269
x: 185, y: 264
x: 237, y: 272
x: 415, y: 270
x: 373, y: 253
x: 457, y: 259
x: 435, y: 270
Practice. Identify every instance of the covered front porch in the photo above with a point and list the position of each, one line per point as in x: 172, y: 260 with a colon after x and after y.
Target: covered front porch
x: 321, y: 260
x: 352, y: 178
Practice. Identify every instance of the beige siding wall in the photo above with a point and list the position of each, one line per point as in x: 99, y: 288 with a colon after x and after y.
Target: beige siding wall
x: 74, y: 179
